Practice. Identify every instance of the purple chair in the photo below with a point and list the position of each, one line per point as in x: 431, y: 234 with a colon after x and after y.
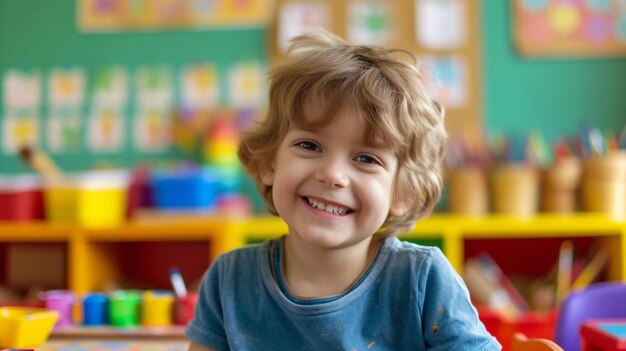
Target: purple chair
x: 600, y: 300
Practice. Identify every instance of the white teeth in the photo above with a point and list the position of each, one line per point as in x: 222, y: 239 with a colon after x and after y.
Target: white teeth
x: 336, y: 210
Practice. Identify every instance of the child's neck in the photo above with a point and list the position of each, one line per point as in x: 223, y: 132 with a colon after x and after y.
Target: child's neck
x: 316, y: 273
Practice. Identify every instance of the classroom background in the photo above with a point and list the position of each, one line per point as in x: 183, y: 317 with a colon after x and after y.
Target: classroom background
x: 119, y: 181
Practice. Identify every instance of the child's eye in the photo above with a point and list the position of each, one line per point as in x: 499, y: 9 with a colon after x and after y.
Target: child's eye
x: 308, y: 145
x: 367, y: 159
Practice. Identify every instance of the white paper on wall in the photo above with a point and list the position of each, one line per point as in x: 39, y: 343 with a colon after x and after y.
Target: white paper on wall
x: 440, y: 24
x: 199, y: 86
x: 299, y: 17
x: 19, y: 128
x: 152, y: 129
x: 64, y: 129
x: 22, y: 89
x: 369, y: 22
x: 66, y: 87
x: 246, y: 85
x: 105, y: 129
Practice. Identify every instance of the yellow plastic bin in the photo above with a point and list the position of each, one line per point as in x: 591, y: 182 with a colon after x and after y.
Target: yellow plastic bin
x: 60, y: 200
x: 101, y: 198
x: 95, y: 199
x: 25, y: 328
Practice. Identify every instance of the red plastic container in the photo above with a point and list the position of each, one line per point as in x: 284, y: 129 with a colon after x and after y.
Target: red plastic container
x: 184, y: 307
x: 21, y: 198
x: 531, y: 324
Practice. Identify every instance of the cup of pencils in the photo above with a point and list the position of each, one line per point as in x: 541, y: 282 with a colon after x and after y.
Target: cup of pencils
x: 515, y: 189
x: 604, y: 184
x: 559, y: 183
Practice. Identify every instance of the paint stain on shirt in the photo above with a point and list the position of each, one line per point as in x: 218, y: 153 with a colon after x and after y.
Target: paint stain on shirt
x: 440, y: 309
x: 369, y: 346
x: 434, y: 327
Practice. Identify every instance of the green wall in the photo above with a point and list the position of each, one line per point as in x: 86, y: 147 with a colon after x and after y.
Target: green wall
x: 43, y: 34
x: 553, y: 96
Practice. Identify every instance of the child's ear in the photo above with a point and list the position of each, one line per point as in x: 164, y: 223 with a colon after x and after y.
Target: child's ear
x: 267, y: 174
x: 399, y: 207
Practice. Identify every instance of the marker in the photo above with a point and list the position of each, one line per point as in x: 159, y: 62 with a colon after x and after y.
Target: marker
x: 177, y: 282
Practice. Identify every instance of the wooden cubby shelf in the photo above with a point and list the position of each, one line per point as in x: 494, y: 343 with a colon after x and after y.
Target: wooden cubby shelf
x: 141, y: 249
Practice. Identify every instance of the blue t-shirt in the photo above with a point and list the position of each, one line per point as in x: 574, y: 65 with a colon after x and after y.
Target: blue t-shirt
x: 410, y: 298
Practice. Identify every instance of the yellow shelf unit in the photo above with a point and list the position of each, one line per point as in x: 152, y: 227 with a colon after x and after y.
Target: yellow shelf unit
x: 96, y: 257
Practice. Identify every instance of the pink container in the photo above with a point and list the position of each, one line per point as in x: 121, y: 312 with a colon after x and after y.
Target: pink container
x: 184, y: 307
x: 61, y: 301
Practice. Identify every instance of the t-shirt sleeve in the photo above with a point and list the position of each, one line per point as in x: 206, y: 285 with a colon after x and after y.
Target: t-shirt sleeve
x: 449, y: 319
x: 207, y: 326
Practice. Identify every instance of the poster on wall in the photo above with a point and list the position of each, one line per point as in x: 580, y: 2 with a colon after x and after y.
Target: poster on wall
x: 369, y: 22
x: 199, y: 86
x: 441, y: 24
x: 445, y: 78
x: 66, y: 95
x: 20, y: 127
x: 153, y: 107
x: 105, y: 125
x: 21, y: 109
x: 149, y: 15
x: 570, y: 28
x: 298, y: 17
x: 246, y: 85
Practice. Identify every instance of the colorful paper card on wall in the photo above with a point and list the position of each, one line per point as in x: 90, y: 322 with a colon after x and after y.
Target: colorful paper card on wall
x: 445, y: 78
x: 22, y: 89
x: 440, y: 24
x: 124, y: 15
x: 66, y: 87
x: 19, y: 127
x: 200, y: 86
x: 110, y: 87
x: 299, y: 17
x: 152, y: 129
x: 369, y: 22
x: 570, y: 28
x: 154, y: 86
x: 64, y: 129
x: 105, y: 129
x: 246, y: 85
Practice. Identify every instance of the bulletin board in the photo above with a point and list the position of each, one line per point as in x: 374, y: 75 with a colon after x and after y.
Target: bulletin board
x: 585, y: 28
x: 451, y: 52
x: 44, y: 57
x: 116, y: 15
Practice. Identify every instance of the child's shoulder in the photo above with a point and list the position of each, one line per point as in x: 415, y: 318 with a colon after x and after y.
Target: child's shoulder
x: 415, y: 255
x: 411, y: 249
x: 246, y: 254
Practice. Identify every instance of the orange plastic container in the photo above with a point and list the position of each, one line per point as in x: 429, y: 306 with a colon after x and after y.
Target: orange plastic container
x: 24, y: 328
x: 531, y: 324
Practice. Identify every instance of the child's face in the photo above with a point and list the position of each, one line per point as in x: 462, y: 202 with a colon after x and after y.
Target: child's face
x: 331, y: 188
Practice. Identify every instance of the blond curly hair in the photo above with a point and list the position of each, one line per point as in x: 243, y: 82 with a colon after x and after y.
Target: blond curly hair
x: 322, y: 76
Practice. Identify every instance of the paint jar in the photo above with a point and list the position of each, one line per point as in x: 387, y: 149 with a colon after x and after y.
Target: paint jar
x: 467, y: 189
x: 61, y: 301
x: 515, y: 190
x: 95, y: 309
x: 157, y: 308
x: 124, y: 307
x: 184, y: 308
x: 604, y: 185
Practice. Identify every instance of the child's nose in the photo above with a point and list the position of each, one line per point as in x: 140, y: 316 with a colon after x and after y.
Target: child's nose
x: 333, y: 173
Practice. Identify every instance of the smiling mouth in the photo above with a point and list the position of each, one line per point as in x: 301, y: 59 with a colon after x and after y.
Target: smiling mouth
x: 333, y: 209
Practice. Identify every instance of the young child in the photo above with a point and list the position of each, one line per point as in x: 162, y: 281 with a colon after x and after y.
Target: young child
x: 348, y: 156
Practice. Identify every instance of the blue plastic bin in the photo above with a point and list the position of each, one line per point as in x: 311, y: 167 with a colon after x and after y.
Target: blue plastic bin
x: 187, y: 189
